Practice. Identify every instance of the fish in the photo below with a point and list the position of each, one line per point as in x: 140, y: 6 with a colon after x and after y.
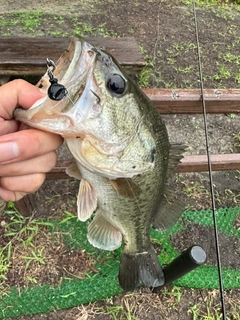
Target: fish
x: 123, y: 157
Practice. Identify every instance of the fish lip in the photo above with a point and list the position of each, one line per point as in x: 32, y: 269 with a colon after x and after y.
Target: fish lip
x: 71, y: 70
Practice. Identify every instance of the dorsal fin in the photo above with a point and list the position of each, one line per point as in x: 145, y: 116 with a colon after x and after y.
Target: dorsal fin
x: 175, y: 155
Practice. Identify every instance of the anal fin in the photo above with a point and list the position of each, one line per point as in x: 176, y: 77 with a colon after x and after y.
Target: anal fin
x: 102, y: 234
x: 169, y: 212
x: 87, y: 200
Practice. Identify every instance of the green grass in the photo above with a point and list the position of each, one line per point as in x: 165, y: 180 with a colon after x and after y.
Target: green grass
x: 193, y: 189
x: 212, y: 309
x: 145, y: 75
x: 118, y: 312
x: 23, y: 228
x: 31, y: 22
x: 224, y: 73
x: 5, y: 254
x: 20, y: 231
x: 82, y: 29
x: 236, y: 139
x: 175, y: 293
x: 206, y: 3
x: 35, y: 257
x: 26, y: 20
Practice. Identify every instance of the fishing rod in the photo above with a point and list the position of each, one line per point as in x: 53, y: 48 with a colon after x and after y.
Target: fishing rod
x: 214, y: 212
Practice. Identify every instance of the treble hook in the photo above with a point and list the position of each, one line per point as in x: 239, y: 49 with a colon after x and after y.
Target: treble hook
x: 56, y: 91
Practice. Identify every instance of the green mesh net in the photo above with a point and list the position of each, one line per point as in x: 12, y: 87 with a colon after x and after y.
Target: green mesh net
x: 73, y: 292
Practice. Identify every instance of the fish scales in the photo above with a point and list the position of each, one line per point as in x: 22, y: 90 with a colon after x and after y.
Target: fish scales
x: 123, y: 157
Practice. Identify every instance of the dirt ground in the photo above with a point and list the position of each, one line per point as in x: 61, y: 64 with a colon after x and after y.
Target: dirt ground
x: 165, y: 31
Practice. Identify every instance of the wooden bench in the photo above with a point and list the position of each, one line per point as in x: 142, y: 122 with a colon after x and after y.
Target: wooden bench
x: 27, y: 56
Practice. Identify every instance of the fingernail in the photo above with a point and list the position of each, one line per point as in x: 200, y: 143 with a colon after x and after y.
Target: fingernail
x: 8, y: 151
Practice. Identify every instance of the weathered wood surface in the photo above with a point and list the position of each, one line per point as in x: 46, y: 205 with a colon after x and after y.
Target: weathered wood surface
x: 219, y: 162
x: 189, y: 101
x: 27, y: 56
x: 192, y: 163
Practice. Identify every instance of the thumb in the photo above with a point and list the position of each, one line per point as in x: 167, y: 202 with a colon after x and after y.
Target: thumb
x: 17, y: 93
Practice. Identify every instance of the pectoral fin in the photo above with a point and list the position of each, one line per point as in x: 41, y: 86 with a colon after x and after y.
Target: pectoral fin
x: 169, y: 212
x: 125, y: 187
x: 102, y: 234
x: 87, y: 200
x: 73, y: 171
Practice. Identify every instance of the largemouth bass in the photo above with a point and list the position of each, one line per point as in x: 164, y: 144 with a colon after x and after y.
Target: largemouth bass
x: 123, y: 157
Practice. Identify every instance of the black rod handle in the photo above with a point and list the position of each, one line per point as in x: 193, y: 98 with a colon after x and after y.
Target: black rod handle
x: 187, y: 261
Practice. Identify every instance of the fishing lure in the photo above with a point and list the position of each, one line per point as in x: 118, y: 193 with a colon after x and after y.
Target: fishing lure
x: 56, y: 91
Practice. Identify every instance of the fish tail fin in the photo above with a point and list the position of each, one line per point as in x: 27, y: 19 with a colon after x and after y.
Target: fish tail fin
x: 140, y: 268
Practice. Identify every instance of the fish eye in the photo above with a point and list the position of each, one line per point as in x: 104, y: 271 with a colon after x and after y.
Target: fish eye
x: 116, y: 84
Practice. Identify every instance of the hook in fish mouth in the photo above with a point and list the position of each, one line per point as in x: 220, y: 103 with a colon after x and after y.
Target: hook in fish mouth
x: 89, y: 102
x: 56, y: 91
x: 66, y: 102
x: 63, y: 85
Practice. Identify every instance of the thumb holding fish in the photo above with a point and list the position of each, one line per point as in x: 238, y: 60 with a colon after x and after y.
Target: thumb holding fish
x: 25, y: 155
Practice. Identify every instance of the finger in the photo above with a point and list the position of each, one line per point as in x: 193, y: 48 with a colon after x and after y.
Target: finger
x: 17, y: 93
x: 27, y: 144
x: 43, y: 163
x: 14, y: 188
x: 8, y: 195
x: 8, y: 126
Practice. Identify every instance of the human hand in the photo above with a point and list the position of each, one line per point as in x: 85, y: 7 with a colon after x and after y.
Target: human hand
x: 25, y: 155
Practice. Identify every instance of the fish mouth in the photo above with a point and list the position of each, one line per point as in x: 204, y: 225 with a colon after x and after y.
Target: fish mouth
x: 71, y: 71
x: 86, y: 116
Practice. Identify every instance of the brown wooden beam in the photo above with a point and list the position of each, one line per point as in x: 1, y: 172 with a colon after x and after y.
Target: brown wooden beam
x: 189, y: 101
x: 219, y: 162
x: 193, y: 163
x: 27, y: 56
x: 59, y: 171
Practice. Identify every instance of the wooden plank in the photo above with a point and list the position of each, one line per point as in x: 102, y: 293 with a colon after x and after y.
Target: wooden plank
x: 192, y: 163
x: 189, y: 101
x: 59, y: 171
x: 219, y: 162
x: 27, y: 56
